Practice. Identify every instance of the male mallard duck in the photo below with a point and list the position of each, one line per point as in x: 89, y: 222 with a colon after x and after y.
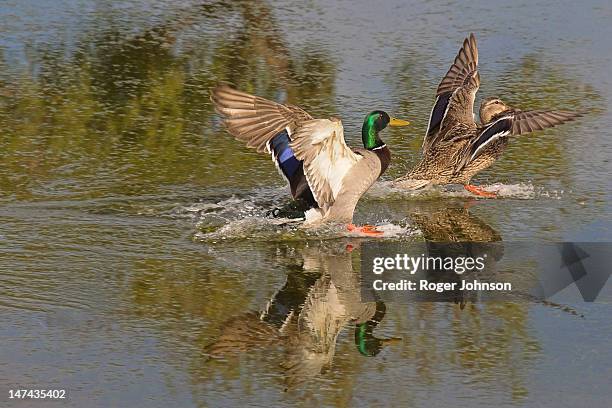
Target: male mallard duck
x: 305, y: 317
x: 455, y: 148
x: 322, y: 171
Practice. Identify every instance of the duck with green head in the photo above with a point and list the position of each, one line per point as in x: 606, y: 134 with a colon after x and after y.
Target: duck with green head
x: 366, y: 342
x: 326, y: 176
x: 321, y: 296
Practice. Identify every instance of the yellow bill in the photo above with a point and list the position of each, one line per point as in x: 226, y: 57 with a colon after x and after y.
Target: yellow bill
x: 398, y: 122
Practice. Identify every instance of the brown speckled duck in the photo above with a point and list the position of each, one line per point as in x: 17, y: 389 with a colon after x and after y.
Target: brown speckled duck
x: 455, y: 148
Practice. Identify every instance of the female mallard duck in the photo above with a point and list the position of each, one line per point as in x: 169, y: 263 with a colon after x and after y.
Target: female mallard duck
x: 322, y: 171
x: 455, y: 148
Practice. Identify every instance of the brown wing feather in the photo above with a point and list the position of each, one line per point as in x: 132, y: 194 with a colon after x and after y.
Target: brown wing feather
x: 243, y: 333
x: 530, y: 121
x: 455, y: 94
x: 255, y: 120
x: 512, y: 122
x: 463, y: 69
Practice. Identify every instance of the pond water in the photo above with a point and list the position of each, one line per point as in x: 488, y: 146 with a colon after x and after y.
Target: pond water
x: 133, y: 237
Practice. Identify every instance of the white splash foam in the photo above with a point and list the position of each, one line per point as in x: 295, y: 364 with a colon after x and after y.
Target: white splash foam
x: 388, y: 230
x: 523, y: 191
x: 261, y: 229
x: 250, y: 227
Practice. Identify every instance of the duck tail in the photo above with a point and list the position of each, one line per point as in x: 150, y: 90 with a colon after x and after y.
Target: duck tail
x: 312, y: 217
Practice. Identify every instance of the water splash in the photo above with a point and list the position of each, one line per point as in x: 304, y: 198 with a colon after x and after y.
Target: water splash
x: 244, y: 216
x: 520, y: 191
x: 239, y: 218
x: 284, y: 229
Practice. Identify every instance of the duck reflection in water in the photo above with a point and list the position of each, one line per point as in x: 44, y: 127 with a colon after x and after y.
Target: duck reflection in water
x: 306, y: 316
x: 453, y: 232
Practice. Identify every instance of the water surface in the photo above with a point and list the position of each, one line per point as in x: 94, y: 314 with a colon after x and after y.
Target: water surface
x: 133, y: 230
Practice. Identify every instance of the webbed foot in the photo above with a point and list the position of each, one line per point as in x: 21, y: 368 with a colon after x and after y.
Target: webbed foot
x: 365, y: 229
x: 479, y: 191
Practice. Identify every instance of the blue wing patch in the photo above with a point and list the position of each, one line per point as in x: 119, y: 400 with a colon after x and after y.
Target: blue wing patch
x: 283, y: 154
x: 292, y: 169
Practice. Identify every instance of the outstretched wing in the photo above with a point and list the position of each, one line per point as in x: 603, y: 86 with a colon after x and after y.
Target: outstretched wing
x: 255, y: 120
x: 514, y: 124
x: 268, y: 127
x: 455, y: 94
x: 320, y: 144
x: 298, y: 143
x: 242, y: 334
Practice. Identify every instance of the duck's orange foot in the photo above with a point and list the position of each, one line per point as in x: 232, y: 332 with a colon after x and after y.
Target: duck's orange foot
x: 366, y: 229
x: 479, y: 191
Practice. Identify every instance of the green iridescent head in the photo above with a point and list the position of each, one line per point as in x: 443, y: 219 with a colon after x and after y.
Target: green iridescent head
x: 375, y: 122
x: 368, y: 344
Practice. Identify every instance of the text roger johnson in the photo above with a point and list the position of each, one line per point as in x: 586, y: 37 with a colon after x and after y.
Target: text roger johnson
x: 412, y: 264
